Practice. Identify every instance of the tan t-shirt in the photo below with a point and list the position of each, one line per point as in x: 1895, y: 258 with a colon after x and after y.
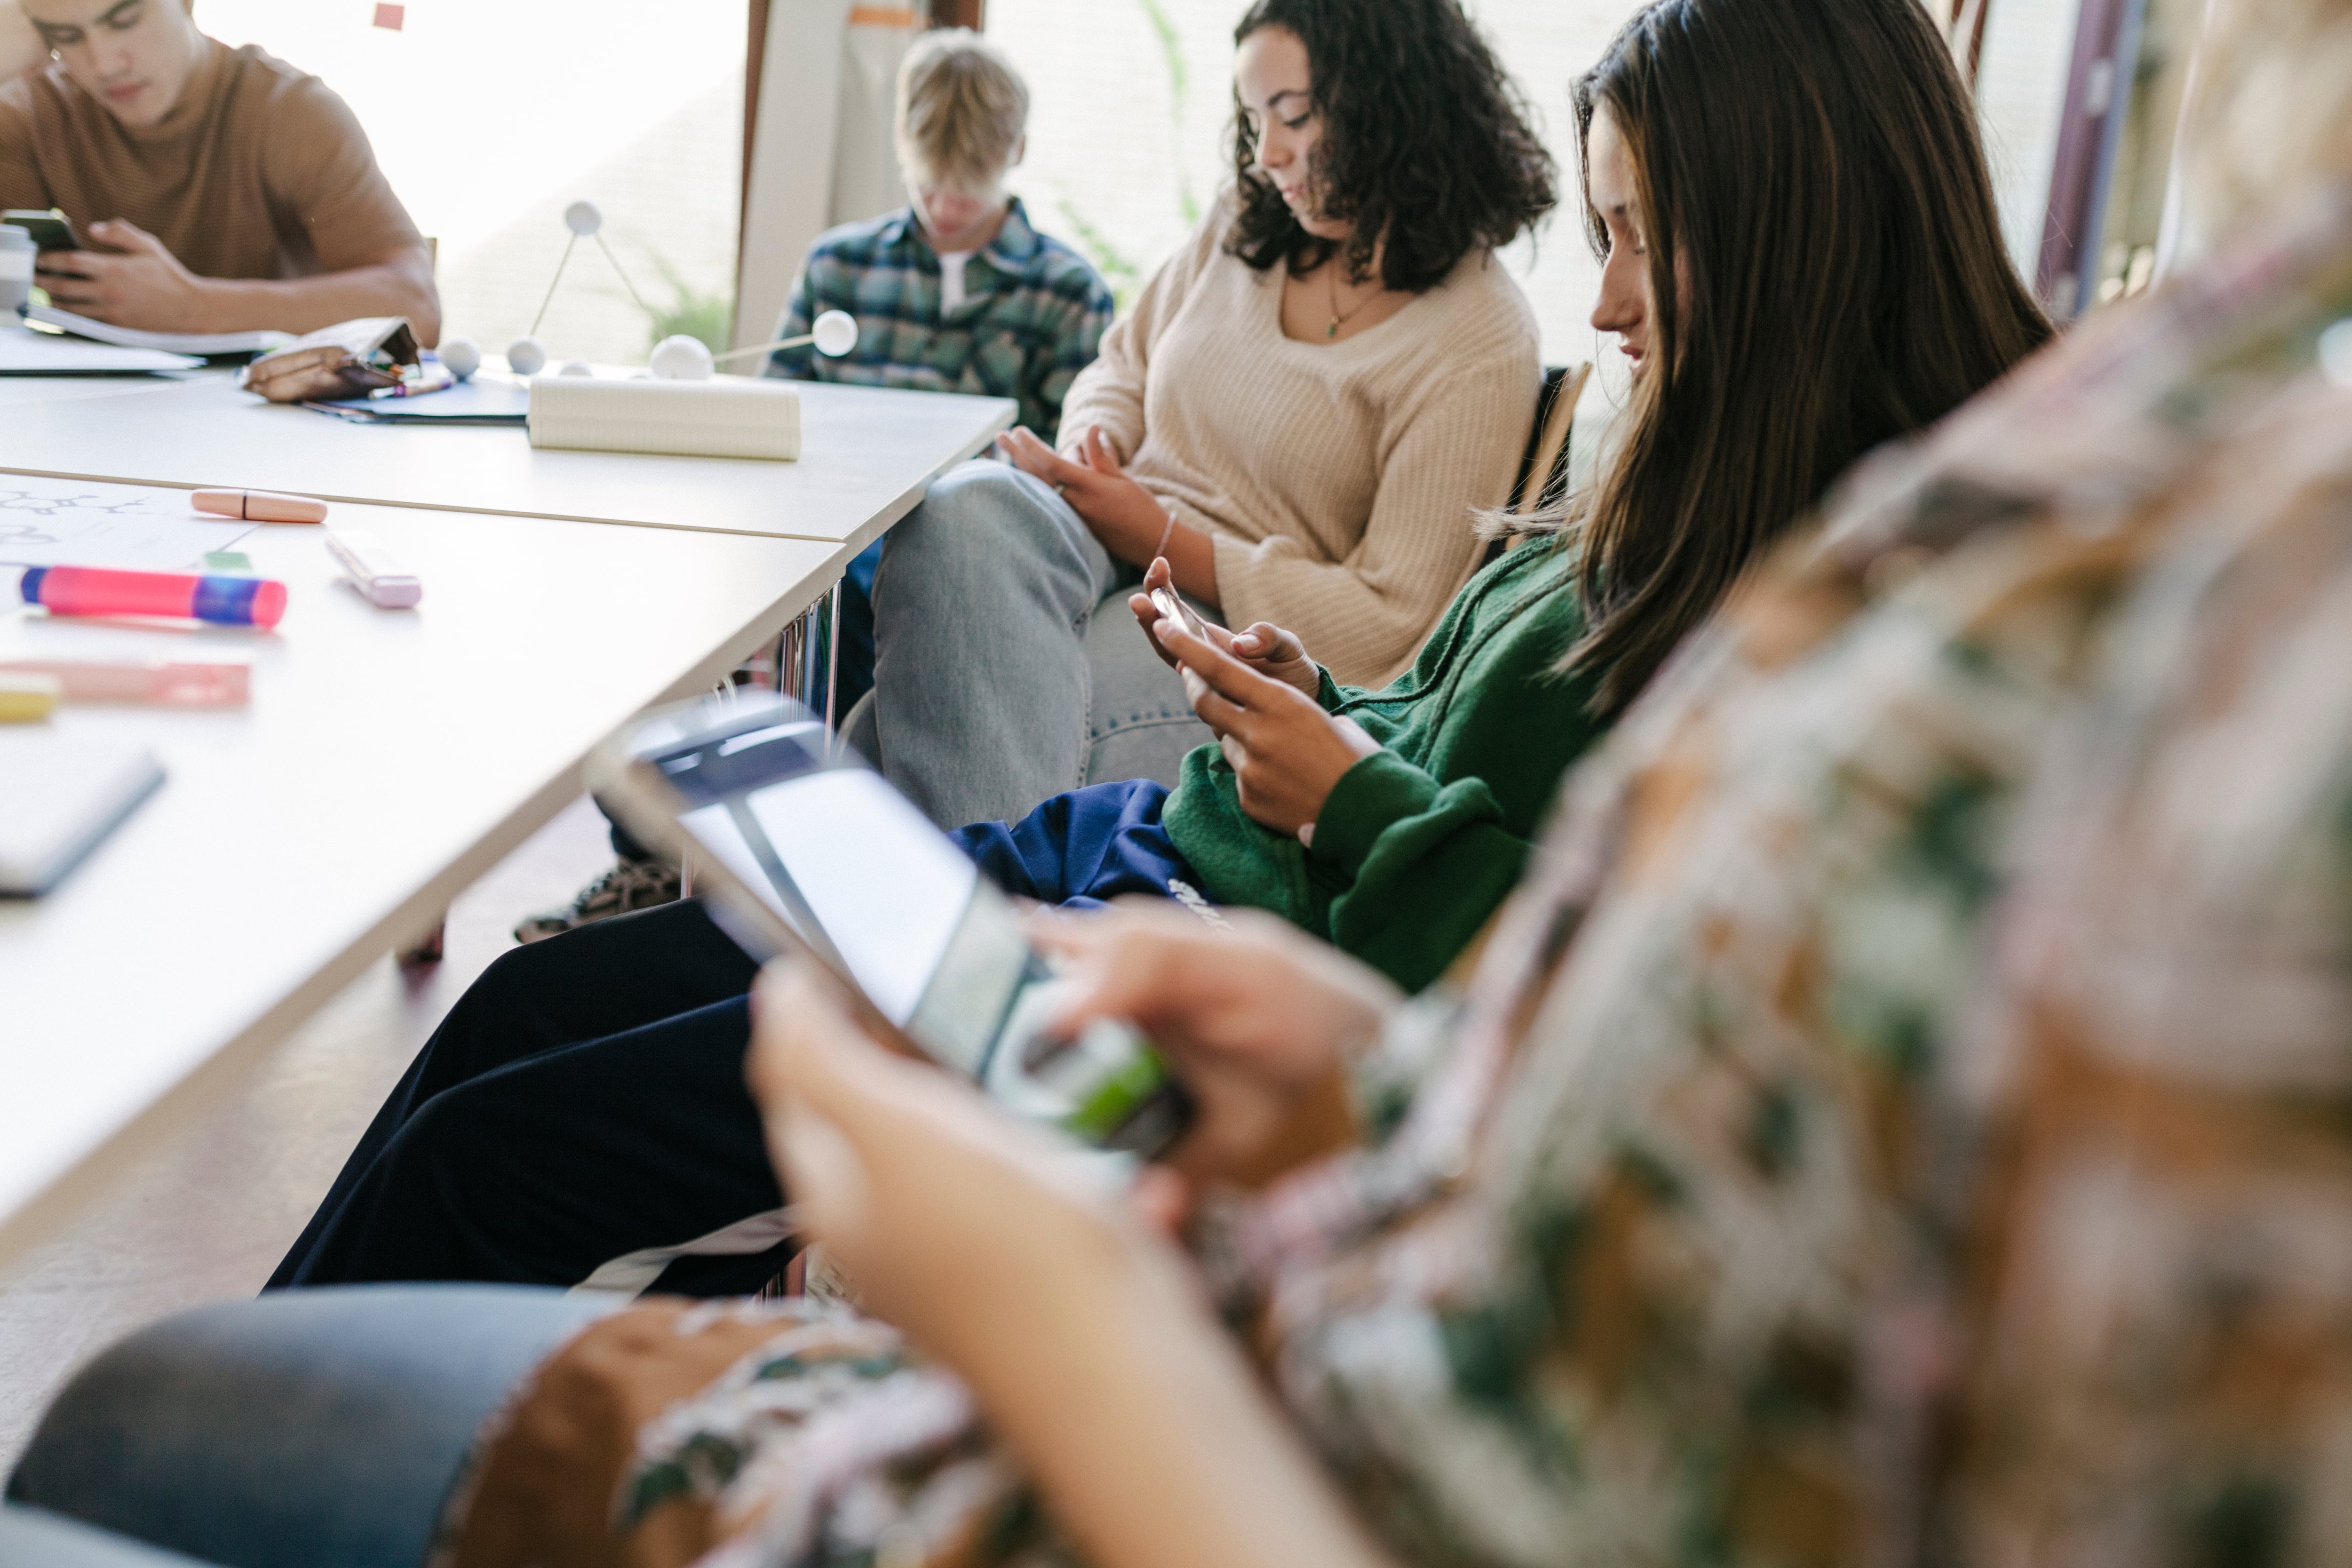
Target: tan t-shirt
x: 259, y: 171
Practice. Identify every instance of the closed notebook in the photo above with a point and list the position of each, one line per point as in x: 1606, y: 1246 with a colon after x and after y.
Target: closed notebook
x: 60, y: 796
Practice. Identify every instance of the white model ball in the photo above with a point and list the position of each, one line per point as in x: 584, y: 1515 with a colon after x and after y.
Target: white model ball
x: 525, y: 357
x: 681, y: 358
x: 577, y: 367
x: 461, y: 357
x: 583, y: 218
x: 836, y: 332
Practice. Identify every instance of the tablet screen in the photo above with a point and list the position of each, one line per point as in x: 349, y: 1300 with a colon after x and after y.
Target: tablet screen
x: 863, y: 878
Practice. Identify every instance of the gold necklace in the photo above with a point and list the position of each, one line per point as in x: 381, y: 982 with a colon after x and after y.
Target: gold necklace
x: 1338, y: 320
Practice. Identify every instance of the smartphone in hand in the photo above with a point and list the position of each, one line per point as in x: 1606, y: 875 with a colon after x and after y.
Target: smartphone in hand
x: 1172, y: 607
x: 50, y: 229
x: 803, y: 848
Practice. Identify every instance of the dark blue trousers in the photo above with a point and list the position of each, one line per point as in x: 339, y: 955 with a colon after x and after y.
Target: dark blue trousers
x: 585, y: 1102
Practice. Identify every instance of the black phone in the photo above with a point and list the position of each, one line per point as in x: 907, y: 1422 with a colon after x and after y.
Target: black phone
x: 50, y: 229
x: 804, y: 848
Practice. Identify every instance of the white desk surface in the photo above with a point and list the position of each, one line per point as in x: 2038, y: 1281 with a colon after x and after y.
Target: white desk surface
x: 22, y: 389
x: 868, y: 454
x: 388, y: 758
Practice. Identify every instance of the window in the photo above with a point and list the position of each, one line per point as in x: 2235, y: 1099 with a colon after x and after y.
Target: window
x: 490, y: 116
x: 1131, y: 101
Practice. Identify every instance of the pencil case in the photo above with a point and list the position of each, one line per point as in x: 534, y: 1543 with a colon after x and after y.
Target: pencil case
x: 737, y: 417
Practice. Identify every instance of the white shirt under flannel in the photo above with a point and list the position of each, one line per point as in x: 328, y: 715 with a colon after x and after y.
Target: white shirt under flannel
x: 1033, y: 313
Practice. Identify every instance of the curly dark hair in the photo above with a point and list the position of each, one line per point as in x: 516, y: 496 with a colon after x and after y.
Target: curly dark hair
x: 1425, y: 150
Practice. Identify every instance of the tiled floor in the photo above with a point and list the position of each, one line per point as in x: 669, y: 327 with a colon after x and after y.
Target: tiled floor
x: 209, y: 1216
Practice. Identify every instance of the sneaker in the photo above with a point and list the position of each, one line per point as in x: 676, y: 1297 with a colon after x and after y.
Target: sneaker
x: 629, y: 885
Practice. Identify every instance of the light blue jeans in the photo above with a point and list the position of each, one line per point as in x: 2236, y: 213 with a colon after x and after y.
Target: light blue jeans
x: 1007, y: 668
x: 307, y: 1429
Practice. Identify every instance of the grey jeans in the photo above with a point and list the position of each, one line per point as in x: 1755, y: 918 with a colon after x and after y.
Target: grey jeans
x: 1006, y: 667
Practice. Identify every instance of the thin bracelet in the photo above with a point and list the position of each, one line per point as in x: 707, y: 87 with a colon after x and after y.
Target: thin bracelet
x: 1166, y: 534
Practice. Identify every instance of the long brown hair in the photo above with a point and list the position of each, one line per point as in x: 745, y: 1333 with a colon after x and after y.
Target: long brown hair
x: 1827, y: 272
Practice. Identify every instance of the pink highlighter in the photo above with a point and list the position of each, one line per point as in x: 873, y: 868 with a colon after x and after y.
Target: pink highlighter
x: 102, y: 591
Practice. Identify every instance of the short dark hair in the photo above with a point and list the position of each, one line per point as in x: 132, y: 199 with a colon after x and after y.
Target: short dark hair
x: 1425, y: 149
x: 1828, y: 270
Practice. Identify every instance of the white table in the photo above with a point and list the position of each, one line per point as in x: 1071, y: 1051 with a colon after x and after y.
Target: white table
x: 868, y: 454
x: 17, y: 390
x: 388, y: 758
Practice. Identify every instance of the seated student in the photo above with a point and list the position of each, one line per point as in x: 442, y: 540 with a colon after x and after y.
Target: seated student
x: 1309, y: 399
x: 956, y: 292
x: 221, y: 189
x: 1902, y: 1120
x: 581, y: 1114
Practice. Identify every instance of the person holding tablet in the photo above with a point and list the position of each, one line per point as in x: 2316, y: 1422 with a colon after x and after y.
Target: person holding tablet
x: 1901, y: 1122
x: 583, y: 1102
x: 215, y: 190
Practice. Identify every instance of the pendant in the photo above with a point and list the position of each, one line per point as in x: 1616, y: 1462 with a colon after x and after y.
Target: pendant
x: 1333, y: 329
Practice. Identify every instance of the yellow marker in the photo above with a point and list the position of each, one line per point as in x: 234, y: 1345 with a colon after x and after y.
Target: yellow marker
x: 25, y: 696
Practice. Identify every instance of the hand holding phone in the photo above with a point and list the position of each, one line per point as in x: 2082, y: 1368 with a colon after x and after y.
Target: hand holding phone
x: 1172, y: 607
x: 50, y: 229
x: 1263, y: 646
x: 807, y: 850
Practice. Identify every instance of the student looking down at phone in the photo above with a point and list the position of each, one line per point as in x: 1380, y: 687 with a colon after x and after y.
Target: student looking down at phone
x: 1302, y: 412
x: 582, y: 1109
x: 215, y: 189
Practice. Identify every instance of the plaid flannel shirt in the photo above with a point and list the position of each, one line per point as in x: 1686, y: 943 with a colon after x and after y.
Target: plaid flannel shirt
x: 1034, y: 313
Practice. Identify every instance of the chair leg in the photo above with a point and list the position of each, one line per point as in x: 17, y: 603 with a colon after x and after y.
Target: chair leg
x: 427, y: 949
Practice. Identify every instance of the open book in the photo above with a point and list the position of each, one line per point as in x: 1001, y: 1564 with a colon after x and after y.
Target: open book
x: 252, y: 343
x: 24, y: 351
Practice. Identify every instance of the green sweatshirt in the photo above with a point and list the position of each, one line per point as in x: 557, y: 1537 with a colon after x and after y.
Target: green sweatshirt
x: 1418, y: 844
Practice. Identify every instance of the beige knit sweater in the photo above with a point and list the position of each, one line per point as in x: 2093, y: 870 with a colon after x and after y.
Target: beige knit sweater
x: 1337, y: 480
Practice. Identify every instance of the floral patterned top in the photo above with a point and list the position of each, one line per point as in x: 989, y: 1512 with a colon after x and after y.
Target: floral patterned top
x: 1906, y: 1113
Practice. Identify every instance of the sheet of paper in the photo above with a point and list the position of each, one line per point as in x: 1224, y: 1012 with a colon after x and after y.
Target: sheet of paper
x: 169, y: 342
x: 24, y: 351
x: 81, y: 523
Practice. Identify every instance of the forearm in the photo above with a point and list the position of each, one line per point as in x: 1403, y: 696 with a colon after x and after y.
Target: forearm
x: 1153, y: 1444
x: 1427, y: 863
x: 402, y: 286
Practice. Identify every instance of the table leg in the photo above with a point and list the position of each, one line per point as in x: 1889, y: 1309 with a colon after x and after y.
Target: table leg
x: 832, y: 657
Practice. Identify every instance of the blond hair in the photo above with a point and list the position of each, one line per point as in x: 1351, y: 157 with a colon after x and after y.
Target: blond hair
x: 961, y: 108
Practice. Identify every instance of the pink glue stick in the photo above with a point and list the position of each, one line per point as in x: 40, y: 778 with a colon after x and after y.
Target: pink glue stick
x: 101, y: 591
